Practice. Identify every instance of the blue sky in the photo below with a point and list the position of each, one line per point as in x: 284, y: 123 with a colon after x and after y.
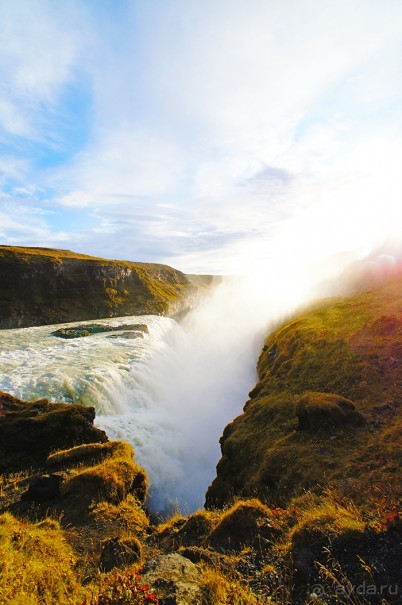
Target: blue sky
x: 206, y: 135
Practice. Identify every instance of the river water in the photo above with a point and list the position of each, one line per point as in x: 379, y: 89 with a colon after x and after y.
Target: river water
x: 170, y: 393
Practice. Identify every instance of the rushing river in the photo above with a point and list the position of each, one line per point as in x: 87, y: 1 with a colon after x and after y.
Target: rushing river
x: 104, y: 370
x: 115, y: 374
x: 169, y: 394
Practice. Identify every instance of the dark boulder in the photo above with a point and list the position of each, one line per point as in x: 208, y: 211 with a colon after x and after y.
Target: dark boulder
x: 119, y: 553
x: 44, y: 488
x: 90, y: 329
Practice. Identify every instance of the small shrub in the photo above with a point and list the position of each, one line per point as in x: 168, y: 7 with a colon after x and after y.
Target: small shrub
x: 124, y: 589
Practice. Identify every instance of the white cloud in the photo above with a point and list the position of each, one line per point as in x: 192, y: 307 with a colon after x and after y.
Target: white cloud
x: 196, y: 108
x: 40, y: 44
x: 22, y: 224
x: 125, y: 163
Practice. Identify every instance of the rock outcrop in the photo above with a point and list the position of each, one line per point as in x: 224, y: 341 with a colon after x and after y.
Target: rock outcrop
x: 47, y: 286
x: 29, y: 432
x: 176, y: 579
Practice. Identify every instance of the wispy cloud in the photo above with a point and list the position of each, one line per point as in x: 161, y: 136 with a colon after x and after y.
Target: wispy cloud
x: 199, y: 135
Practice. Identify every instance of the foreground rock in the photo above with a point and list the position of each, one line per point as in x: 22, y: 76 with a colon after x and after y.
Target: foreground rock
x: 29, y: 432
x: 175, y: 578
x: 119, y: 553
x: 47, y: 286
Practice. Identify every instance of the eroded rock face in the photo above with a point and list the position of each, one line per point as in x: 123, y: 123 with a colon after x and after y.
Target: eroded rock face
x: 45, y: 286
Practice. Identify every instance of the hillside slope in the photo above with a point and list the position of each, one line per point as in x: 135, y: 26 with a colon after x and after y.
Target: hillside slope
x: 46, y: 286
x: 326, y: 409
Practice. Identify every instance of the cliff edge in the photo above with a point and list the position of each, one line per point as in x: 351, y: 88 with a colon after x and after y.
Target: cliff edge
x: 48, y: 286
x: 327, y: 408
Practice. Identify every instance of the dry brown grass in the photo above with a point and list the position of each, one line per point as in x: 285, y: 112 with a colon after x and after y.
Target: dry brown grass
x: 88, y: 454
x: 325, y: 517
x: 129, y: 514
x: 221, y: 589
x: 242, y: 524
x: 111, y: 481
x: 37, y: 564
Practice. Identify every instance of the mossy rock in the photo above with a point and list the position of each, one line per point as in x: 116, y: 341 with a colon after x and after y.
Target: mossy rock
x: 129, y: 516
x: 196, y: 529
x: 326, y: 411
x: 324, y: 524
x: 246, y: 523
x: 206, y: 556
x: 29, y: 432
x: 111, y: 481
x: 191, y: 531
x: 87, y: 454
x: 90, y: 329
x: 119, y: 553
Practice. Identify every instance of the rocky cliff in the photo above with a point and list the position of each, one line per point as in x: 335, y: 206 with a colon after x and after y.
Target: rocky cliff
x: 327, y: 407
x: 46, y: 286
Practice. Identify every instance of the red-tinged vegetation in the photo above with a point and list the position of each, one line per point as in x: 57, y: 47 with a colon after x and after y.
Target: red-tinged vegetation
x: 124, y: 589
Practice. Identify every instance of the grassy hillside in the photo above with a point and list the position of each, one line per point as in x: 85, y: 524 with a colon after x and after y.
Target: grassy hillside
x: 305, y: 507
x: 326, y: 409
x: 43, y: 286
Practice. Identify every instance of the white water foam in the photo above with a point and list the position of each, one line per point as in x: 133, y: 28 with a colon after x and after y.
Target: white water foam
x: 168, y: 393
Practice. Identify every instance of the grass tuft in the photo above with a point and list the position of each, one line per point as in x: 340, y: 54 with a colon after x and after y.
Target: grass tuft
x: 36, y: 563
